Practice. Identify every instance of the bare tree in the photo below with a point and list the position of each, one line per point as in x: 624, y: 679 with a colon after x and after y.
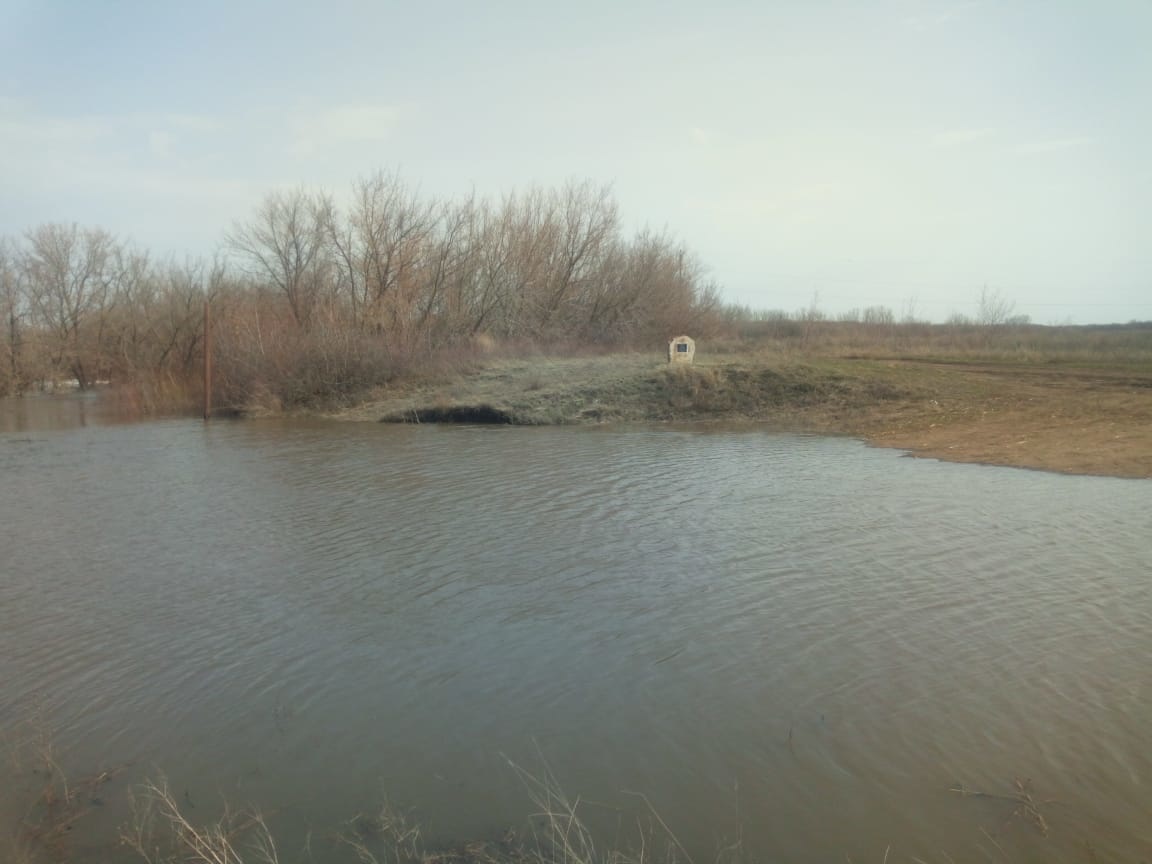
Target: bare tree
x: 161, y: 332
x: 137, y: 293
x: 449, y: 272
x: 376, y: 248
x: 493, y: 244
x: 587, y: 222
x: 286, y: 244
x: 187, y: 287
x: 326, y: 298
x: 70, y: 274
x: 12, y: 311
x: 532, y: 225
x: 647, y: 281
x: 993, y: 308
x: 880, y: 315
x: 909, y: 314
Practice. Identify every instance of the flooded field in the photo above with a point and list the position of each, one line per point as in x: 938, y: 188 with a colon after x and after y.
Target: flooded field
x: 802, y: 643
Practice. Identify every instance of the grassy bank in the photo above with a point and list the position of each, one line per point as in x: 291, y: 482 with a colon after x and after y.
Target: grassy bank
x: 631, y: 388
x: 1078, y: 401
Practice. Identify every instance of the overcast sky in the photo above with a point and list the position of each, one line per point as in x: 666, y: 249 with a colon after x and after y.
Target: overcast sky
x: 896, y: 152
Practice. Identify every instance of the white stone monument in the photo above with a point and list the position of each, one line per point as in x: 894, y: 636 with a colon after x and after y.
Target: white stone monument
x: 681, y: 349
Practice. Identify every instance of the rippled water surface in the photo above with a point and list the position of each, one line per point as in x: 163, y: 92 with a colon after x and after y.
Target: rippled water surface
x: 799, y: 642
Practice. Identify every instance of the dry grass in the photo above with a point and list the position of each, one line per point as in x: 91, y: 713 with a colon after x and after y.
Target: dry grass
x: 558, y: 831
x: 265, y: 363
x: 161, y: 833
x: 155, y: 395
x: 1110, y: 344
x: 388, y: 836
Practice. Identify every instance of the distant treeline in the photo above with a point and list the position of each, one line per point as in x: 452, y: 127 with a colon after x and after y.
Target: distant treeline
x: 312, y: 299
x: 315, y: 301
x: 879, y: 335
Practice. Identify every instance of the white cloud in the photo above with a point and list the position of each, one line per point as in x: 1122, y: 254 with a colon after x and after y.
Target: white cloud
x: 193, y: 122
x: 346, y: 124
x: 110, y: 158
x: 931, y: 15
x: 743, y: 210
x: 960, y: 137
x: 18, y: 129
x: 1054, y: 145
x: 31, y: 134
x: 700, y: 136
x: 734, y: 144
x: 818, y: 192
x: 169, y: 187
x: 359, y: 123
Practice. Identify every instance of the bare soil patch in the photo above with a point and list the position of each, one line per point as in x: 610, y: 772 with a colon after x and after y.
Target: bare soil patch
x: 1074, y: 420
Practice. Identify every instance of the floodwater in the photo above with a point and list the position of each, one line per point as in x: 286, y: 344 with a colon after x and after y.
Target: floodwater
x: 799, y: 644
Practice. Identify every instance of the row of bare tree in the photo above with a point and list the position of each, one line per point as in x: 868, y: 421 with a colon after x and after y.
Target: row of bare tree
x: 544, y: 264
x: 77, y: 304
x: 388, y: 274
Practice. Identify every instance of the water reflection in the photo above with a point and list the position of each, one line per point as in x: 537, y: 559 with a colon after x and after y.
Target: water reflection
x: 67, y: 410
x: 800, y: 640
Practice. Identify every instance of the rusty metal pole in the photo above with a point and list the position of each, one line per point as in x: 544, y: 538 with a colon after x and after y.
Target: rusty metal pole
x: 207, y: 361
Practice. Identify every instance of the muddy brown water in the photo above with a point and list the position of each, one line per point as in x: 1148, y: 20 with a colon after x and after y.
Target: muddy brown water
x: 800, y: 642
